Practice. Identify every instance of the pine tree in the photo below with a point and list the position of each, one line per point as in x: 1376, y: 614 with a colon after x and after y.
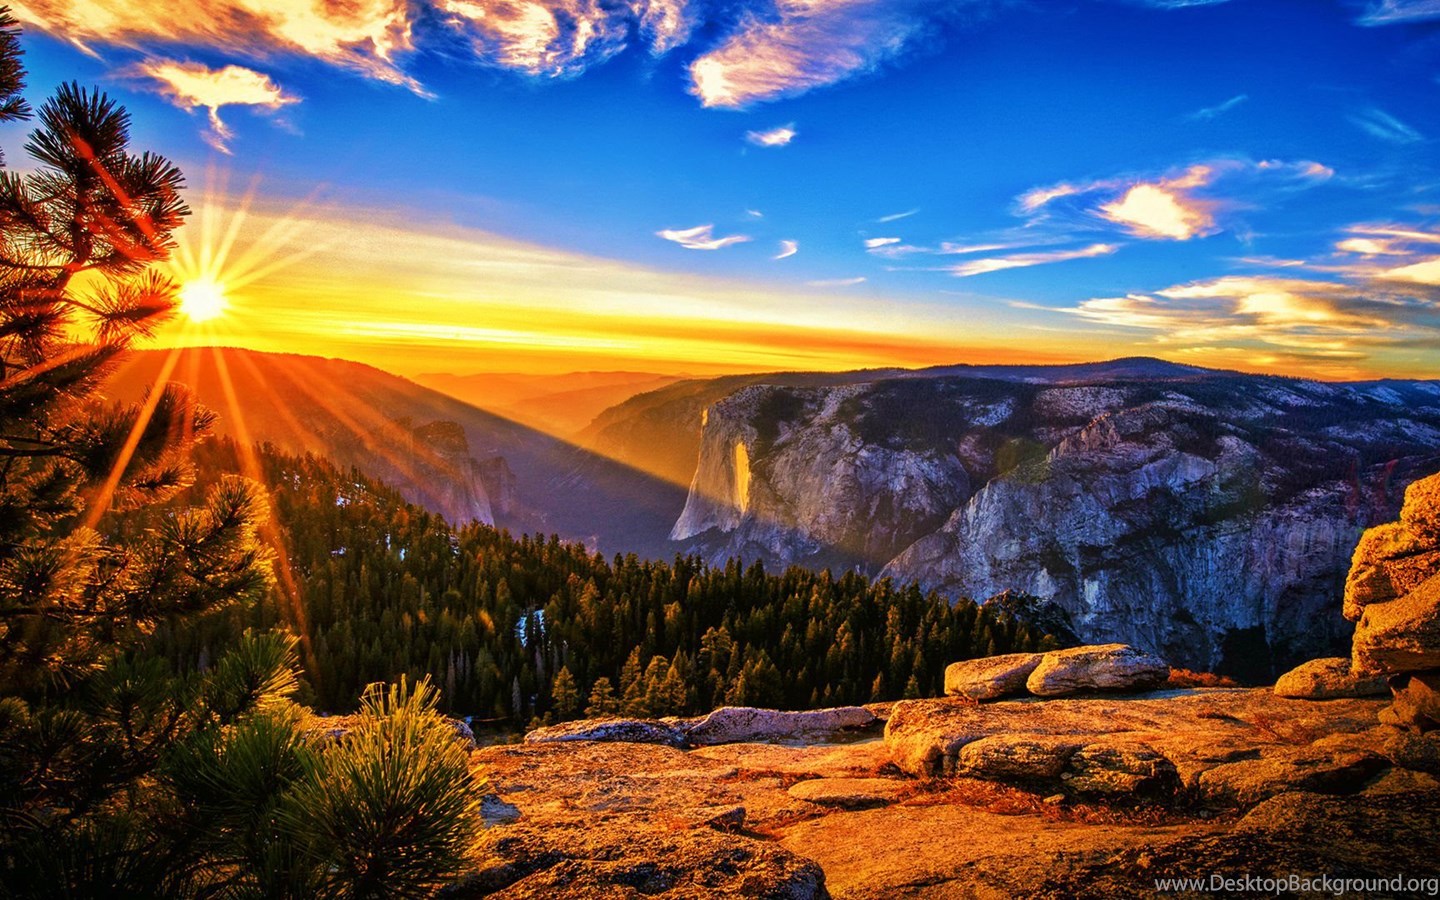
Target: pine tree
x: 564, y: 696
x: 602, y: 700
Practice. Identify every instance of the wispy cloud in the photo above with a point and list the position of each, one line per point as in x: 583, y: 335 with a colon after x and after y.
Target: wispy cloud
x: 878, y: 242
x: 1219, y: 109
x: 364, y: 35
x: 1167, y: 207
x: 806, y: 44
x: 1379, y: 124
x: 895, y: 217
x: 787, y: 249
x: 837, y: 282
x: 554, y: 38
x: 774, y: 137
x: 1023, y: 260
x: 1390, y: 12
x: 701, y: 237
x: 191, y: 85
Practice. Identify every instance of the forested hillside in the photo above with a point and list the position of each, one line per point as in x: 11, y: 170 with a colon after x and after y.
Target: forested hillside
x: 513, y: 628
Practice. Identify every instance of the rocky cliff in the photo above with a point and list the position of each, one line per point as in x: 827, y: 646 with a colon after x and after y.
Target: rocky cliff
x: 1206, y: 516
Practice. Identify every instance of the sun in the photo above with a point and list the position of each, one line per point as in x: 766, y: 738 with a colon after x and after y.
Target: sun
x: 202, y: 299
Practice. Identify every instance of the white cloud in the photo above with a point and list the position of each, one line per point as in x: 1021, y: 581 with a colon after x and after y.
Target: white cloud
x: 701, y: 237
x: 895, y: 217
x: 787, y: 249
x: 1023, y: 260
x: 774, y: 137
x: 837, y: 282
x: 877, y: 243
x: 191, y: 85
x: 805, y: 44
x: 365, y: 35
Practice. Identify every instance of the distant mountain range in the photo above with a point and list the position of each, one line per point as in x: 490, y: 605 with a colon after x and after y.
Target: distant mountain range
x: 1206, y: 515
x: 440, y: 452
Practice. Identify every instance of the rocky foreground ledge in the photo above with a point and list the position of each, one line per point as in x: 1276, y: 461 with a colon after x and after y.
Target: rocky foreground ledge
x: 1089, y: 796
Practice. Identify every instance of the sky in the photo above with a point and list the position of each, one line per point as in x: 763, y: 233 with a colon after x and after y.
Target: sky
x: 752, y: 185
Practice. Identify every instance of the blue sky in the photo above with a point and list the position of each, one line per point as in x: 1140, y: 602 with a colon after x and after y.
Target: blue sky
x: 1251, y: 184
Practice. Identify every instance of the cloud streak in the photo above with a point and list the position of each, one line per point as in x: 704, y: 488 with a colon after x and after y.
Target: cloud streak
x: 1391, y: 12
x: 1219, y: 109
x: 787, y: 249
x: 1381, y: 125
x: 191, y: 85
x: 701, y: 237
x: 1024, y: 260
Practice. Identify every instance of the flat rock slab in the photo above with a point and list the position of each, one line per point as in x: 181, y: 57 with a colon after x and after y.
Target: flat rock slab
x: 851, y: 793
x: 629, y: 731
x: 744, y: 724
x: 862, y: 759
x: 1101, y: 667
x: 1102, y: 746
x: 1328, y: 679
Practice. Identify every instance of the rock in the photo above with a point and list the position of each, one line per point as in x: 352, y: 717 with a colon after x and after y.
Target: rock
x: 494, y: 811
x: 1250, y: 781
x: 725, y: 818
x: 1016, y: 757
x: 1401, y: 781
x: 1369, y: 579
x: 1120, y: 768
x: 1326, y: 679
x: 1194, y: 730
x: 632, y: 731
x: 991, y: 676
x: 850, y: 793
x: 1421, y: 512
x: 738, y: 724
x: 1400, y: 635
x: 1101, y: 667
x: 1415, y: 751
x: 1417, y: 700
x: 565, y: 859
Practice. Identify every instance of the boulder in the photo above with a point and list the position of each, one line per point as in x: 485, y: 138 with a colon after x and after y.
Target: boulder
x: 1120, y: 768
x: 1018, y: 757
x: 1280, y: 770
x: 632, y: 731
x: 1327, y: 679
x: 1417, y: 700
x: 1370, y: 579
x: 1421, y: 511
x: 850, y: 793
x: 991, y: 676
x: 1420, y: 752
x: 738, y: 724
x: 1101, y: 667
x: 1400, y: 635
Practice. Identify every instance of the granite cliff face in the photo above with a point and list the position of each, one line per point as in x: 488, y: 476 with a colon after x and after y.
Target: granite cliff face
x: 1208, y: 517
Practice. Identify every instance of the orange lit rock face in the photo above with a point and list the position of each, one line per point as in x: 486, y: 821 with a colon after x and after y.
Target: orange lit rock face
x: 1394, y: 591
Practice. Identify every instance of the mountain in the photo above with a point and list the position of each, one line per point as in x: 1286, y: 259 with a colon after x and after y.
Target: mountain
x: 440, y: 452
x: 556, y: 404
x: 1208, y: 516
